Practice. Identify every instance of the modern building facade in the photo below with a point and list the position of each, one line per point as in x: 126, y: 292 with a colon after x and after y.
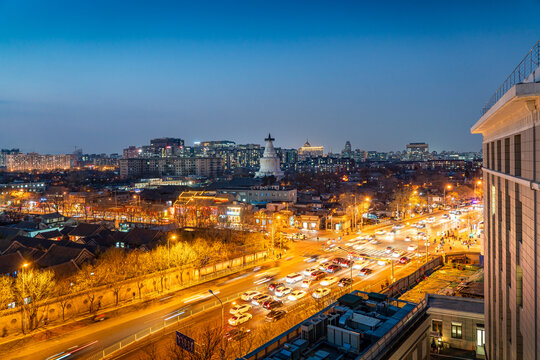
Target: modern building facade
x: 511, y: 146
x: 308, y: 151
x: 172, y: 166
x: 38, y: 162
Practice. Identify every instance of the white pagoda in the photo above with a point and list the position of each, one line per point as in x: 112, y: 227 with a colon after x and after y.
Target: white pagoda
x: 269, y: 161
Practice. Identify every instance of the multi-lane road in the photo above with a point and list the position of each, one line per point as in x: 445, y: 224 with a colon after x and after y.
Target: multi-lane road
x: 405, y: 241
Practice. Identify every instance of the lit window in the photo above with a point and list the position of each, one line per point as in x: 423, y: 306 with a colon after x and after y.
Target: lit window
x: 456, y: 330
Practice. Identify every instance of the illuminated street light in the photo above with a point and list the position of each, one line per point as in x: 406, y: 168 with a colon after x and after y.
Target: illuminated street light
x: 222, y: 309
x: 449, y: 187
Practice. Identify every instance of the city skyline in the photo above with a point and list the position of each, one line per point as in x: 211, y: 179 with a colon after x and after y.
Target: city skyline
x: 104, y: 77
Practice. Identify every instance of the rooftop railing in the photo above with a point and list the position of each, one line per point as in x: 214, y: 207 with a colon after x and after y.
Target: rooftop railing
x: 526, y: 67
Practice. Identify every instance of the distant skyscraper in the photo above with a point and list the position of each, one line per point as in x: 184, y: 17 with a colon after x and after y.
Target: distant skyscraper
x: 512, y: 214
x: 269, y: 161
x: 347, y: 151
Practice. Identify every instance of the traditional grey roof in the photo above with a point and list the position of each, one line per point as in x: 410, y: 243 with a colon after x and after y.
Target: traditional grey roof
x: 138, y: 237
x: 11, y: 262
x: 52, y: 216
x: 29, y: 226
x: 10, y: 232
x: 53, y: 234
x: 86, y: 229
x: 57, y: 255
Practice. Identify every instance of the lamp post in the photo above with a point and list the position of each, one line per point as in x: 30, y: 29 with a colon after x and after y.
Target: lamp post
x: 222, y: 309
x: 449, y: 187
x: 342, y: 249
x: 25, y: 265
x: 169, y: 249
x: 273, y: 231
x: 479, y: 182
x: 367, y: 200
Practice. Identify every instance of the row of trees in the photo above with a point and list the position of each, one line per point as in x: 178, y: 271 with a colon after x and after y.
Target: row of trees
x: 31, y: 289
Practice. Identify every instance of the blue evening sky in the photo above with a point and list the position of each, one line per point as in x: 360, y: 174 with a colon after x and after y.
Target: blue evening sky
x: 103, y: 75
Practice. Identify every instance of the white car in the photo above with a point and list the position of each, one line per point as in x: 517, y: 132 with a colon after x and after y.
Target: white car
x: 411, y: 248
x: 389, y: 250
x: 240, y: 319
x: 396, y: 254
x: 380, y: 232
x: 294, y: 278
x: 374, y: 241
x: 282, y: 291
x: 381, y: 263
x: 329, y: 281
x: 321, y: 292
x: 239, y: 309
x: 306, y: 283
x: 297, y: 294
x: 259, y: 299
x: 407, y: 238
x: 248, y: 295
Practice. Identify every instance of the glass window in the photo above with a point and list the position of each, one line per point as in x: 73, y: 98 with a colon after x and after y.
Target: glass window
x: 480, y: 336
x: 436, y: 325
x: 456, y: 330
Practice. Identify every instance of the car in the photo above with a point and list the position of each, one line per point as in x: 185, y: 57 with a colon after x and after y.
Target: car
x: 318, y: 275
x: 274, y: 286
x: 99, y: 318
x: 259, y: 299
x: 272, y: 304
x: 411, y: 248
x: 345, y: 282
x: 380, y: 232
x: 321, y: 292
x: 399, y: 226
x: 332, y: 268
x: 248, y: 295
x: 329, y: 281
x: 308, y: 271
x: 407, y: 238
x: 374, y: 242
x: 389, y: 250
x: 275, y: 315
x: 345, y: 263
x: 420, y: 226
x: 236, y: 334
x: 337, y: 260
x: 293, y: 278
x: 365, y: 271
x: 238, y: 309
x: 324, y: 265
x: 297, y: 294
x: 240, y: 319
x: 306, y: 283
x: 282, y: 291
x: 404, y: 260
x: 396, y: 254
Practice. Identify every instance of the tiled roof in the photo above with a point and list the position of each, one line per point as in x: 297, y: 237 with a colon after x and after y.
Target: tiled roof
x: 10, y: 232
x: 11, y: 262
x: 86, y: 229
x: 50, y: 234
x: 57, y: 255
x: 139, y: 237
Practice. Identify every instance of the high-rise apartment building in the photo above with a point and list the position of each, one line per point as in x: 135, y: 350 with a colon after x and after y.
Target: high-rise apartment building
x: 38, y: 162
x: 511, y: 146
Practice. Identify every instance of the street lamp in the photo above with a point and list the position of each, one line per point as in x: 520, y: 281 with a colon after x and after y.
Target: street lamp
x: 273, y: 231
x: 222, y: 309
x: 25, y: 265
x: 367, y: 200
x: 479, y: 182
x: 169, y: 249
x: 449, y: 187
x: 342, y: 249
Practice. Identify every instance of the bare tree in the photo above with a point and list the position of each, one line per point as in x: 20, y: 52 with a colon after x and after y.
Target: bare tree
x: 87, y: 280
x: 6, y: 291
x: 31, y: 288
x: 114, y: 263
